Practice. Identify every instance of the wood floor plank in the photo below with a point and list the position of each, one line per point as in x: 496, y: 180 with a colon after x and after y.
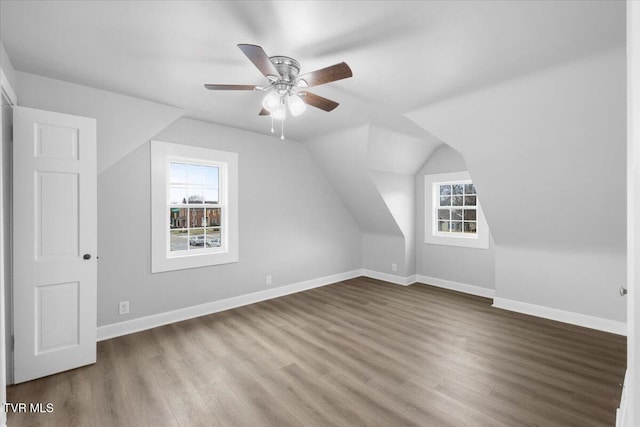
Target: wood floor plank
x: 360, y: 353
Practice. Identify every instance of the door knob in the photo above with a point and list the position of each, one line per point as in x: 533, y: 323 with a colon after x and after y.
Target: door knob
x: 86, y: 256
x: 623, y: 291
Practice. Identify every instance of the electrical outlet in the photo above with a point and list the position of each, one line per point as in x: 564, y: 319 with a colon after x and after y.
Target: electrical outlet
x: 123, y: 307
x: 268, y: 279
x: 394, y: 267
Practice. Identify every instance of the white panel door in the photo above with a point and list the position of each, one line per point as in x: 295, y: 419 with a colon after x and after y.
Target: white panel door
x: 55, y: 242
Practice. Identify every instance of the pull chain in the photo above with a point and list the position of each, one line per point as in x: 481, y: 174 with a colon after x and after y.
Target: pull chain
x: 282, y: 129
x: 272, y: 131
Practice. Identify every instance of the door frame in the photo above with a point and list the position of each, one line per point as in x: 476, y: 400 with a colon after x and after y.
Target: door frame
x: 9, y: 96
x: 630, y: 404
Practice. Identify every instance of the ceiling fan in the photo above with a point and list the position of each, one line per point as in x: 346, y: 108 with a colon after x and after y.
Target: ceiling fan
x: 286, y: 89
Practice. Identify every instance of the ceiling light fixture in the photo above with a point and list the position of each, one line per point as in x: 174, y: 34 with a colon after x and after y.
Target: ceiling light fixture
x: 296, y: 105
x: 271, y: 102
x: 284, y: 90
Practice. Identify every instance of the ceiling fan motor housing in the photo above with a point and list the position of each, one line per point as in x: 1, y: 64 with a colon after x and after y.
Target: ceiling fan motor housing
x: 288, y: 68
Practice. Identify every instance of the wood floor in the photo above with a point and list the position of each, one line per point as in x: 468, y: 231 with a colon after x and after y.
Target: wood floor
x: 356, y: 353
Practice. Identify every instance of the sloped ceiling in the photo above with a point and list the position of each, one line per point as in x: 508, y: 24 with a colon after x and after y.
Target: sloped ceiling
x: 404, y: 54
x: 547, y: 152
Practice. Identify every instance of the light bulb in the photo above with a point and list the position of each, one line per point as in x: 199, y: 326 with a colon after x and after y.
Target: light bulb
x: 279, y: 114
x: 271, y: 102
x: 296, y: 105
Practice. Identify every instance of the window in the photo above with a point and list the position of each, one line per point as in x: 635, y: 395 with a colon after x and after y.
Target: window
x: 194, y: 207
x: 456, y: 208
x: 453, y: 215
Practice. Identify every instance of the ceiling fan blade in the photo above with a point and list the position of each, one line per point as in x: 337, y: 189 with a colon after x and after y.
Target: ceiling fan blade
x: 330, y: 74
x: 260, y: 59
x: 318, y: 101
x: 230, y: 87
x: 264, y: 112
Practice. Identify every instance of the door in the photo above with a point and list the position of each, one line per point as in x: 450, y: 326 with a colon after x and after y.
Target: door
x: 54, y: 242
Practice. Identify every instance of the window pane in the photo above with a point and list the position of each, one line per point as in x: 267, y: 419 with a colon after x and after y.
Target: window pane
x: 211, y: 195
x: 470, y: 214
x: 445, y: 190
x: 195, y: 174
x: 177, y: 218
x: 195, y: 195
x: 212, y: 237
x: 470, y: 227
x: 456, y: 200
x: 196, y: 238
x: 469, y: 189
x: 178, y: 173
x: 178, y: 195
x: 196, y: 217
x: 443, y: 225
x: 213, y: 217
x: 211, y: 176
x: 456, y: 226
x: 443, y: 214
x: 178, y: 240
x: 445, y: 200
x: 456, y: 214
x: 458, y: 189
x: 469, y: 200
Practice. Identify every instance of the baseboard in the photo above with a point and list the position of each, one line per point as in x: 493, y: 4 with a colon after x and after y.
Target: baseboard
x: 391, y: 278
x: 143, y: 323
x: 592, y: 322
x: 457, y: 286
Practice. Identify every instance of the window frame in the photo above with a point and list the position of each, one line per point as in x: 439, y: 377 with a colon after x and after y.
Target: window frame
x: 432, y: 183
x: 162, y: 258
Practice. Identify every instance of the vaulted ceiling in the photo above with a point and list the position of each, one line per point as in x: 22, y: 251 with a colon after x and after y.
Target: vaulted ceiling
x: 404, y: 55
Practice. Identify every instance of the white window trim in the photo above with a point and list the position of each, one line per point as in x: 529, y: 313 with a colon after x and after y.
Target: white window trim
x: 161, y: 258
x: 479, y: 240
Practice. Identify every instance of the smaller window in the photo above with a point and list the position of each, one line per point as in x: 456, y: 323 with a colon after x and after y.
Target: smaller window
x: 456, y: 209
x: 453, y: 215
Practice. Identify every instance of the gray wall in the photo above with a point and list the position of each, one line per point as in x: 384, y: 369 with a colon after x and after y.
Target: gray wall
x: 7, y: 67
x: 373, y: 170
x: 547, y: 151
x: 293, y: 226
x: 470, y: 266
x: 7, y: 191
x: 123, y: 122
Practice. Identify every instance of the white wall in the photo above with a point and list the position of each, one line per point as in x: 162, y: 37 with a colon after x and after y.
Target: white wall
x: 469, y: 266
x: 547, y: 151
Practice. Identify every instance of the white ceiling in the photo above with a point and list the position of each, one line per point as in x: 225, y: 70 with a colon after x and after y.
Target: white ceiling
x: 404, y: 55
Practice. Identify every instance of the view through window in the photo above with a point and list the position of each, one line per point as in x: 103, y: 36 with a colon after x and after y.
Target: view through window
x: 196, y: 211
x: 456, y: 208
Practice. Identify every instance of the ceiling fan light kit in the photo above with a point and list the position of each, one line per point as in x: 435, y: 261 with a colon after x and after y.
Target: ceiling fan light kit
x: 285, y: 84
